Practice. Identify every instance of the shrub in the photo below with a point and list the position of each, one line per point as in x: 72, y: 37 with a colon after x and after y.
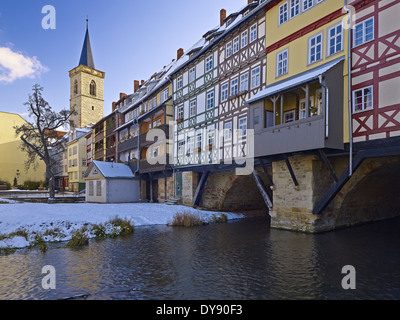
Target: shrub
x: 7, y: 184
x: 186, y: 219
x: 32, y: 185
x: 78, y: 238
x: 124, y: 225
x: 99, y: 231
x: 222, y: 218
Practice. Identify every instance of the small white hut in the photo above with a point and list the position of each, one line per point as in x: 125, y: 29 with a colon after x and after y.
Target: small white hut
x: 108, y: 182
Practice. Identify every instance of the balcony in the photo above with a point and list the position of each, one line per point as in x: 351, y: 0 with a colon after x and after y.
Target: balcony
x: 146, y: 167
x: 99, y: 155
x: 284, y: 122
x: 110, y: 152
x: 99, y: 136
x: 143, y: 142
x: 129, y: 144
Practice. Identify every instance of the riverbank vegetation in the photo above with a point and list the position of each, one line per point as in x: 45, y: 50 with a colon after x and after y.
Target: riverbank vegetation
x: 189, y: 219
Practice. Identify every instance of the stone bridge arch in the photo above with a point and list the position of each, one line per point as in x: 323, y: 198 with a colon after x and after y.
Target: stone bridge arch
x: 227, y: 191
x: 372, y: 193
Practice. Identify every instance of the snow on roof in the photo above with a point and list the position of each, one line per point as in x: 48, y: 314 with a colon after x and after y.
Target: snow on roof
x: 113, y: 170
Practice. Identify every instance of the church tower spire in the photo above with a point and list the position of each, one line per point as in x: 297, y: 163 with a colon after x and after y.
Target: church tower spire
x: 86, y: 89
x: 87, y: 55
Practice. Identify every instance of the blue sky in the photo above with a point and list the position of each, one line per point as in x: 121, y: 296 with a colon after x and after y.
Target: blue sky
x: 130, y: 41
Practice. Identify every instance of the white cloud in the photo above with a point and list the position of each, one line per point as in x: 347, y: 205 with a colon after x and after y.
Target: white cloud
x: 14, y: 65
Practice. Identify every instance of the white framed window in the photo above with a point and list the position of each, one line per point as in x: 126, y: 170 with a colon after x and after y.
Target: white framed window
x: 289, y: 116
x: 192, y: 74
x: 245, y: 38
x: 363, y: 32
x: 164, y: 95
x: 243, y: 127
x: 307, y: 4
x: 234, y: 86
x: 228, y: 49
x: 210, y: 138
x: 283, y: 13
x: 224, y: 92
x: 199, y: 138
x: 294, y: 8
x: 210, y: 100
x: 180, y: 112
x: 75, y: 150
x: 150, y: 104
x: 91, y: 188
x: 335, y: 39
x: 244, y: 82
x: 179, y: 82
x: 209, y: 63
x: 228, y: 131
x: 362, y: 99
x: 255, y: 78
x: 253, y: 32
x: 154, y: 102
x: 84, y: 162
x: 190, y: 145
x: 181, y: 148
x: 236, y: 44
x: 192, y: 108
x: 315, y: 48
x: 282, y: 58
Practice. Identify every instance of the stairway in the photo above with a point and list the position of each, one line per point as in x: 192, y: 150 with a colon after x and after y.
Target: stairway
x: 172, y: 201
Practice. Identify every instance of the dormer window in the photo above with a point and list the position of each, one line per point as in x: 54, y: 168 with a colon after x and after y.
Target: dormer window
x: 228, y: 22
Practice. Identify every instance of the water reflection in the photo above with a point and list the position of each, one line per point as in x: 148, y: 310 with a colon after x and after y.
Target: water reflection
x: 236, y: 260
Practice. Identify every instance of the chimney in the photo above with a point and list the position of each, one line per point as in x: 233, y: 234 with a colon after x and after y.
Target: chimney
x: 135, y: 86
x: 250, y: 1
x: 222, y: 16
x: 114, y: 106
x: 179, y: 53
x: 141, y: 82
x: 121, y: 95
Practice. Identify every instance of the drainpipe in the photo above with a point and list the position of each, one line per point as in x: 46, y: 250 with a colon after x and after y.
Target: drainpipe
x: 326, y: 106
x: 173, y: 140
x: 349, y: 90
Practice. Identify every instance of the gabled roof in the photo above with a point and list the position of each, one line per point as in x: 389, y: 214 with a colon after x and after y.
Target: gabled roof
x: 86, y: 55
x: 110, y: 170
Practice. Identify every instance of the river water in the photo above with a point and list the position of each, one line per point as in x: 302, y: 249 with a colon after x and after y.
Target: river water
x: 242, y: 260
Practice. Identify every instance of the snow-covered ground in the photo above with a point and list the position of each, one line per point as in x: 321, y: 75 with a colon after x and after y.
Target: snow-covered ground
x: 36, y: 218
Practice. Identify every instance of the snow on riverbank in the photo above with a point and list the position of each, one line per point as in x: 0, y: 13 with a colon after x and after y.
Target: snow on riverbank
x: 36, y: 218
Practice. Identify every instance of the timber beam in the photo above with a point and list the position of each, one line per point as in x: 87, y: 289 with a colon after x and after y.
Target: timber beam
x: 200, y: 187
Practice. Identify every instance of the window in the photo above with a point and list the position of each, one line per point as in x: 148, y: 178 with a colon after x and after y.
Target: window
x: 159, y: 122
x: 75, y: 162
x: 210, y: 100
x: 294, y: 8
x: 92, y: 107
x: 363, y: 32
x: 228, y: 131
x: 228, y: 49
x: 242, y: 127
x: 198, y: 140
x: 154, y: 102
x: 283, y: 13
x: 91, y: 189
x: 190, y: 145
x: 335, y: 39
x: 150, y: 105
x: 76, y: 174
x: 84, y: 162
x: 209, y: 63
x: 181, y: 146
x: 75, y: 150
x: 164, y: 95
x: 192, y: 74
x: 179, y: 83
x: 307, y: 4
x: 244, y: 82
x: 234, y: 87
x: 255, y: 78
x: 180, y: 112
x: 362, y: 99
x: 244, y: 38
x: 93, y: 88
x: 282, y: 62
x: 253, y: 33
x: 289, y: 116
x: 76, y: 87
x: 210, y: 138
x: 236, y: 45
x: 224, y: 92
x: 98, y: 188
x: 70, y: 151
x: 315, y: 48
x: 192, y: 108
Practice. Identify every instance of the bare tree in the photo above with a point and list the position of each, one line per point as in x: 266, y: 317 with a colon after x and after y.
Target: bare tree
x: 40, y: 136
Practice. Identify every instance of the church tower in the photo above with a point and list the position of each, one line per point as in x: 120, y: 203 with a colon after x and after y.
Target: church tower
x: 86, y: 89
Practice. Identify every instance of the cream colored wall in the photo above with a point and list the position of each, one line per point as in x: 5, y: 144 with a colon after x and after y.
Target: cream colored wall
x: 11, y: 157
